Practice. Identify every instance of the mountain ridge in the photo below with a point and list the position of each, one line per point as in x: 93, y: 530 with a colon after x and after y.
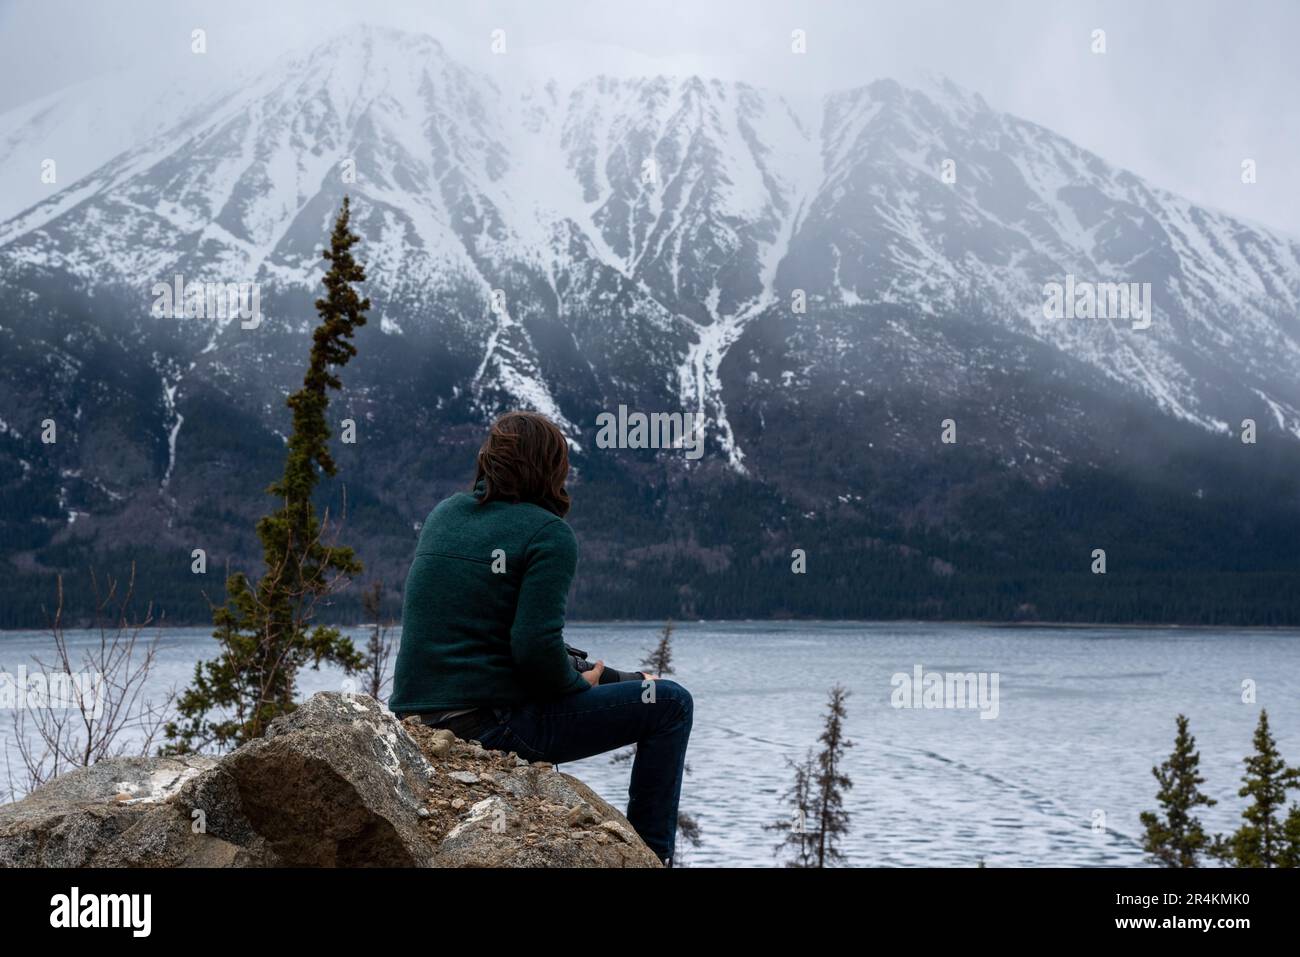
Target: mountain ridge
x: 702, y: 141
x: 644, y: 241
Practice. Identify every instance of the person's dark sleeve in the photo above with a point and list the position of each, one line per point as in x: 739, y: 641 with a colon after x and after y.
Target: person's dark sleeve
x: 537, y: 635
x: 611, y: 675
x: 607, y: 677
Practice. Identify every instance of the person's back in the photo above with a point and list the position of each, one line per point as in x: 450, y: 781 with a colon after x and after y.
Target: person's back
x: 484, y: 633
x: 483, y: 650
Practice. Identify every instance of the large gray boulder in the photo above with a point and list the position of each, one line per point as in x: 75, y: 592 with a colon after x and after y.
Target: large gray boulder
x: 336, y: 783
x: 67, y: 821
x: 339, y: 782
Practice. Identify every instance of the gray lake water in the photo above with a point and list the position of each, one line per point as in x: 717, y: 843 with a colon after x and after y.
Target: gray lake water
x: 1083, y: 714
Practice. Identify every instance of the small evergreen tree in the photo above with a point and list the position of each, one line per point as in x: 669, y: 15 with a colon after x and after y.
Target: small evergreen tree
x: 817, y: 795
x: 1290, y: 854
x: 832, y: 782
x: 795, y: 831
x: 1177, y: 839
x: 379, y: 647
x: 1263, y: 840
x: 659, y: 661
x: 265, y: 631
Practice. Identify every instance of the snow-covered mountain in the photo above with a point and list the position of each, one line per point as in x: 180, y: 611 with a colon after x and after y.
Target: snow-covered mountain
x: 874, y: 260
x: 696, y: 203
x: 1028, y: 207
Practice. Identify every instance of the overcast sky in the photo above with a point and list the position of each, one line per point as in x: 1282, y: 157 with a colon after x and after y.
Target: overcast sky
x: 1186, y: 90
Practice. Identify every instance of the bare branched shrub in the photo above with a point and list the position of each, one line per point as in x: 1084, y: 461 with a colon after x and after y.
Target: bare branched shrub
x: 104, y: 706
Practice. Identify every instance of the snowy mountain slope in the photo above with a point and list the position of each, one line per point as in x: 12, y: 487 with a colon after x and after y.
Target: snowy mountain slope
x: 637, y: 226
x: 804, y: 273
x: 1026, y: 208
x: 84, y: 126
x: 695, y: 187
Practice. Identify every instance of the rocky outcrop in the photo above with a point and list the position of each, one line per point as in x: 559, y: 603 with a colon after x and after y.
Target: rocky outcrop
x: 491, y: 809
x: 69, y: 820
x: 339, y: 782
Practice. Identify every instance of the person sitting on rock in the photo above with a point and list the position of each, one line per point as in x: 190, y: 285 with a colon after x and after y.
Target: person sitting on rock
x: 483, y: 652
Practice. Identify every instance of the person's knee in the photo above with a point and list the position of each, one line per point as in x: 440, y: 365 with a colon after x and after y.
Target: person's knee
x: 679, y: 700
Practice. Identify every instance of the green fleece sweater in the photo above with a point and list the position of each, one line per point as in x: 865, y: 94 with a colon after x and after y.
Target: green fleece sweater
x: 483, y: 610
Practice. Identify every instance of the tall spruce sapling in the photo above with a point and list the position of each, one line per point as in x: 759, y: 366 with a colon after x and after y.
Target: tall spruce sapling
x: 1177, y: 839
x: 265, y: 632
x: 1263, y: 840
x: 832, y: 820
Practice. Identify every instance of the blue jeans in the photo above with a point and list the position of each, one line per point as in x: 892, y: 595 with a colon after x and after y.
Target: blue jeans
x: 655, y: 716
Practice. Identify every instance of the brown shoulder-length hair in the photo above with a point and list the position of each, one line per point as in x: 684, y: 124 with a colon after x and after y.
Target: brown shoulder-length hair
x: 525, y: 458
